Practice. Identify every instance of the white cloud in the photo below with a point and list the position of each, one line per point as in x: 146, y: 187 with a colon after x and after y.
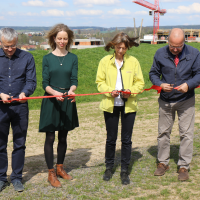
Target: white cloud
x: 171, y: 17
x: 121, y: 11
x: 173, y: 1
x: 90, y: 3
x: 70, y: 13
x: 53, y: 12
x: 87, y: 5
x: 59, y: 13
x: 12, y: 5
x: 12, y: 13
x: 194, y: 8
x: 23, y: 14
x: 192, y: 17
x: 47, y: 3
x: 88, y: 12
x: 2, y: 17
x: 141, y: 13
x: 30, y: 14
x: 83, y: 12
x: 33, y: 3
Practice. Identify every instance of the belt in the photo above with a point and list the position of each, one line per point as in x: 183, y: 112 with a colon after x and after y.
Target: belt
x: 60, y: 87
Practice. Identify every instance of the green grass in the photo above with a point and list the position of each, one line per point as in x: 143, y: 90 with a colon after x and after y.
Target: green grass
x: 87, y: 167
x: 88, y: 60
x: 88, y: 183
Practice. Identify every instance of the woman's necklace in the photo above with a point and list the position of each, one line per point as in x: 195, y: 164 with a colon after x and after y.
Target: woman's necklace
x: 62, y: 60
x: 56, y: 53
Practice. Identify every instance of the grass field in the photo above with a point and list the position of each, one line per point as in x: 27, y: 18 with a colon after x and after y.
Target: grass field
x: 85, y: 160
x: 88, y: 60
x: 86, y: 146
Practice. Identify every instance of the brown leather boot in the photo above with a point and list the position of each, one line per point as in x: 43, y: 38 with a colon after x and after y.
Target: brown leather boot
x: 183, y: 174
x: 52, y: 178
x: 62, y: 173
x: 161, y: 169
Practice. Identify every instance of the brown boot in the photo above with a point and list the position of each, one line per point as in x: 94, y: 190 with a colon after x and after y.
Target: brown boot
x: 183, y: 174
x: 161, y: 169
x: 52, y: 178
x: 62, y: 173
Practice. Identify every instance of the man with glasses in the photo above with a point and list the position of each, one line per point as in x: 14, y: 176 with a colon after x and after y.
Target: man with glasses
x: 17, y: 80
x: 176, y: 69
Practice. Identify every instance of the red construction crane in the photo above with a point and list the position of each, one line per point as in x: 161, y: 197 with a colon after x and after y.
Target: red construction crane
x: 157, y: 11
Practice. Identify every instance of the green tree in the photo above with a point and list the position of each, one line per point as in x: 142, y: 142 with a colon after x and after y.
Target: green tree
x: 23, y: 39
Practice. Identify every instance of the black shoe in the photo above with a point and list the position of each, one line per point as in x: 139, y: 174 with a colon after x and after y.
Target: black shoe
x: 3, y: 184
x: 125, y: 178
x: 18, y: 185
x: 107, y: 175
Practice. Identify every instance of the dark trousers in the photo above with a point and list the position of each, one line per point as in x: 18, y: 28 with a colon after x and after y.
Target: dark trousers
x: 127, y: 122
x: 15, y: 115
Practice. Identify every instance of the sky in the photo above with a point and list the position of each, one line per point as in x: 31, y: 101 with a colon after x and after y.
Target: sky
x: 103, y: 13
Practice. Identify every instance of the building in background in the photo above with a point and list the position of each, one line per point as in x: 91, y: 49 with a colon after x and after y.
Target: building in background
x: 87, y: 43
x: 28, y: 47
x: 191, y: 35
x: 45, y: 47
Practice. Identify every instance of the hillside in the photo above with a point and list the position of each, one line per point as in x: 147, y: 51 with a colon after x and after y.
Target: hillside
x: 88, y: 60
x: 46, y: 28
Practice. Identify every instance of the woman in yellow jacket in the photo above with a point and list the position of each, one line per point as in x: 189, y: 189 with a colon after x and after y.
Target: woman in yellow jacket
x: 115, y: 73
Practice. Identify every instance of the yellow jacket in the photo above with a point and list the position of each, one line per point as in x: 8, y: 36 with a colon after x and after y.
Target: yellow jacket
x: 106, y: 81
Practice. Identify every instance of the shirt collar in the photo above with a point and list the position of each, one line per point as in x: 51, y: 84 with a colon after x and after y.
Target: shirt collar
x: 113, y: 58
x: 2, y: 52
x: 117, y: 65
x: 180, y: 55
x: 182, y: 52
x: 17, y: 52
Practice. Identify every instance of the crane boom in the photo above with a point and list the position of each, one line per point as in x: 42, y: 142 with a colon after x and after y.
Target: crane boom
x: 157, y: 11
x: 145, y: 4
x: 150, y: 6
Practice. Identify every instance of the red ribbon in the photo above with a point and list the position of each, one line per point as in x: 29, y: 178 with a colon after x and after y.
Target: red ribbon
x: 154, y: 87
x: 176, y: 88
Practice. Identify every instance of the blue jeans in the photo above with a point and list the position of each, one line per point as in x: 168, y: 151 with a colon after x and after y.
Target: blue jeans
x: 16, y: 115
x: 112, y: 121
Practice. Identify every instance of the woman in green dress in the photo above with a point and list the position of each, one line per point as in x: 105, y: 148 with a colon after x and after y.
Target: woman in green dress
x: 58, y: 114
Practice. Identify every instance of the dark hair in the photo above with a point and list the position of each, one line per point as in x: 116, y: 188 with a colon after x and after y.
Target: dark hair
x: 122, y: 38
x: 53, y: 33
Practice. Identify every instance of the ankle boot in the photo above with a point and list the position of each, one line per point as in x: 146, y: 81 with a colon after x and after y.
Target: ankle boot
x: 52, y: 178
x: 62, y: 173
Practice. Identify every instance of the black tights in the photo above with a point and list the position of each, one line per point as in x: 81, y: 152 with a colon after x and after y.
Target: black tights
x: 61, y: 149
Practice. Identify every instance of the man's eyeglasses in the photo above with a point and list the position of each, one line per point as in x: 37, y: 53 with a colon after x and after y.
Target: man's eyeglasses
x: 173, y: 47
x: 11, y: 46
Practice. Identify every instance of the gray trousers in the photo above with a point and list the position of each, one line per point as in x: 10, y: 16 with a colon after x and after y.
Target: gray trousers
x: 186, y: 116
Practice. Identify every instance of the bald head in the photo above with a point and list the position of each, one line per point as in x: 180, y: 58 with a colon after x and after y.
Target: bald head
x: 176, y: 34
x: 176, y: 40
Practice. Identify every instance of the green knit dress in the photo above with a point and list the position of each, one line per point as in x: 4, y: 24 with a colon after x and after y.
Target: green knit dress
x: 56, y: 115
